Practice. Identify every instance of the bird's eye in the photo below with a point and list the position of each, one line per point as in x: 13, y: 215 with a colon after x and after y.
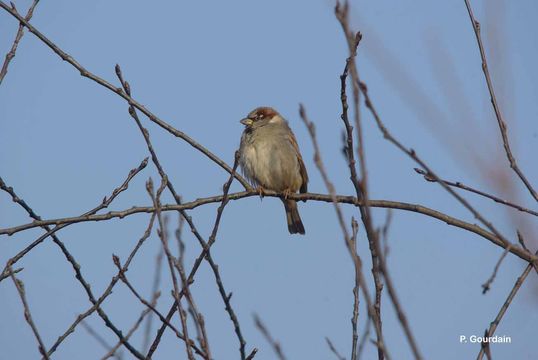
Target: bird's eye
x: 259, y: 116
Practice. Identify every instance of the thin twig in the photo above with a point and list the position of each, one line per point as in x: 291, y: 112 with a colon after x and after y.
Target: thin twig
x: 506, y: 304
x: 193, y: 310
x: 20, y: 33
x: 355, y: 317
x: 207, y: 255
x: 50, y: 232
x: 151, y: 306
x: 500, y: 121
x: 364, y: 338
x: 94, y: 334
x: 252, y: 354
x: 27, y: 314
x: 333, y: 349
x: 198, y: 318
x: 487, y: 285
x: 112, y: 352
x: 76, y: 267
x: 155, y: 294
x: 462, y: 186
x: 379, y: 265
x: 361, y: 186
x: 107, y: 291
x: 118, y: 90
x: 357, y: 262
x: 384, y: 230
x: 275, y: 345
x: 162, y: 235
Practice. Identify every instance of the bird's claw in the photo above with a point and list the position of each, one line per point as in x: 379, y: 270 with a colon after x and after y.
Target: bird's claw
x: 261, y: 191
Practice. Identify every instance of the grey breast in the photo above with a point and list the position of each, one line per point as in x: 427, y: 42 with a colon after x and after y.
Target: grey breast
x: 269, y: 158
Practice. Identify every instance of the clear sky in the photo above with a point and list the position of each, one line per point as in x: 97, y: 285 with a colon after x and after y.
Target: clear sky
x: 65, y: 142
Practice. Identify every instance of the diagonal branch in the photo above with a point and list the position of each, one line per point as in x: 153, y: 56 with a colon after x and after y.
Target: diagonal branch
x: 462, y: 186
x: 69, y: 256
x: 198, y: 317
x: 496, y: 109
x: 51, y: 232
x: 27, y: 315
x: 506, y: 304
x: 151, y: 306
x: 20, y: 33
x: 96, y: 305
x: 118, y: 90
x: 267, y: 335
x: 206, y: 254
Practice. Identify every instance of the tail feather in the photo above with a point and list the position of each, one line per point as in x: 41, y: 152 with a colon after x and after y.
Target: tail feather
x: 295, y: 225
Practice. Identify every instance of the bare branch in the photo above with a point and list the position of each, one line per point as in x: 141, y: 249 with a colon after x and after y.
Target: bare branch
x: 355, y: 317
x: 487, y: 285
x: 417, y: 208
x: 333, y: 349
x: 252, y: 354
x: 162, y: 235
x: 37, y: 219
x: 20, y: 33
x: 76, y: 267
x: 118, y: 90
x: 462, y: 186
x: 496, y: 109
x: 27, y: 314
x: 199, y: 318
x: 357, y: 262
x: 155, y: 294
x: 506, y: 304
x: 207, y: 255
x: 275, y: 345
x: 151, y: 306
x: 106, y: 293
x: 112, y: 352
x: 94, y: 334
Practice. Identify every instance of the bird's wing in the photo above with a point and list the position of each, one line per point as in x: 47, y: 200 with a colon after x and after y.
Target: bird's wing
x: 302, y: 168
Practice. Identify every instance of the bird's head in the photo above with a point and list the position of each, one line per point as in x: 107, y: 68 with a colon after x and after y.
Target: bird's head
x: 261, y: 116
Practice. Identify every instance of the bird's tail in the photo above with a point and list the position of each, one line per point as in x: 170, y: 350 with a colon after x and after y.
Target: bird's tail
x: 295, y: 225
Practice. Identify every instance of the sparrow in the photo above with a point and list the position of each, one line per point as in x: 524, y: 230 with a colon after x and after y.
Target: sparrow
x: 270, y: 159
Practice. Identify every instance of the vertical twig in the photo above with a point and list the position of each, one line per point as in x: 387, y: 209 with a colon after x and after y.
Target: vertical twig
x: 355, y: 317
x: 162, y: 235
x: 361, y: 185
x: 155, y: 294
x: 357, y: 262
x: 192, y: 307
x: 27, y: 314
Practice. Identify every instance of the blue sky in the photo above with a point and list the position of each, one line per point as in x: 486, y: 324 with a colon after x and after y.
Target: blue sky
x: 65, y: 142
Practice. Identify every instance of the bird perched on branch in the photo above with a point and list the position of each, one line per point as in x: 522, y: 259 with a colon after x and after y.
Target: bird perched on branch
x: 270, y: 159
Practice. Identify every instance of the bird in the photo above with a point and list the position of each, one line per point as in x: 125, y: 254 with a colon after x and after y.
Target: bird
x: 270, y: 159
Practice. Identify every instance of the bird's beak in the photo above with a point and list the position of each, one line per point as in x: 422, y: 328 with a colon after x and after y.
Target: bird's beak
x: 246, y: 121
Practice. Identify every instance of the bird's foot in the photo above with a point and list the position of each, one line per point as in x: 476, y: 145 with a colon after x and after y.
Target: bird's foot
x: 261, y: 191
